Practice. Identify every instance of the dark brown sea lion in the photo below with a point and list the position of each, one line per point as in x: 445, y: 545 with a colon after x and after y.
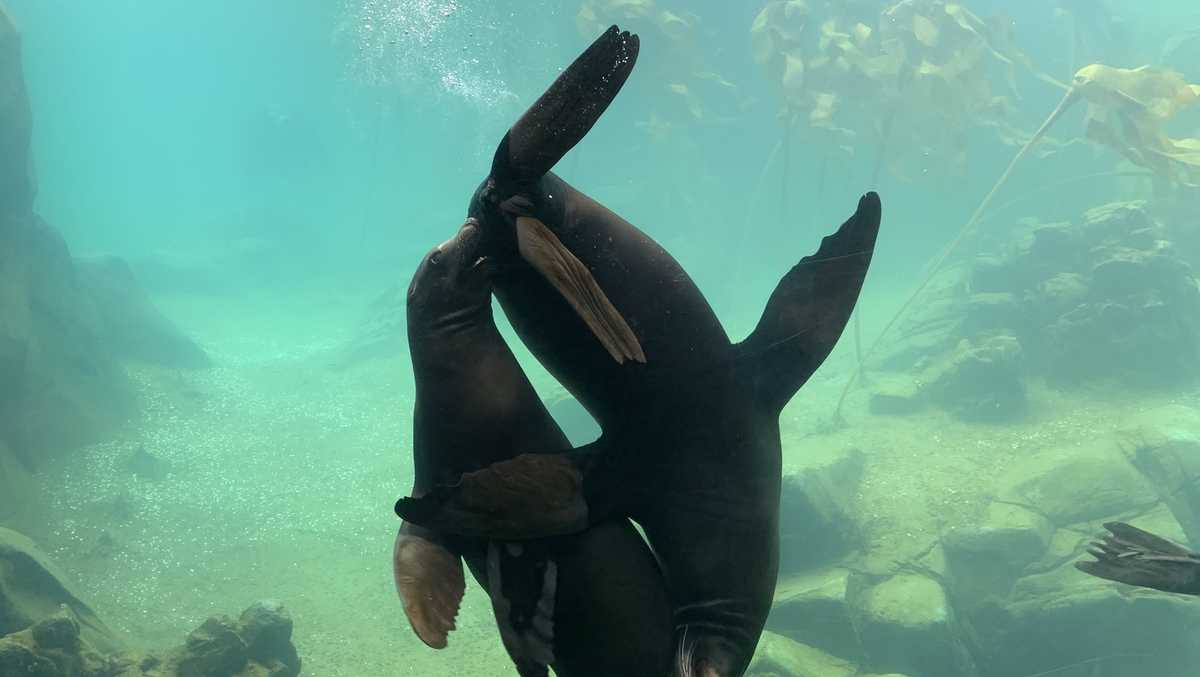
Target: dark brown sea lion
x: 591, y: 605
x: 690, y: 445
x: 1129, y: 555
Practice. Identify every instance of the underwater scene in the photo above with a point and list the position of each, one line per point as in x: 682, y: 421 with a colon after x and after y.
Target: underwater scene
x: 695, y: 338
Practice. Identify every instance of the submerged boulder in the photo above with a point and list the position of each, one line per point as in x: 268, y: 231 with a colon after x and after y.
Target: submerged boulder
x: 779, y: 656
x: 980, y: 381
x: 33, y: 589
x: 816, y: 518
x: 131, y: 326
x: 906, y: 624
x: 1083, y: 482
x: 815, y: 609
x: 17, y: 184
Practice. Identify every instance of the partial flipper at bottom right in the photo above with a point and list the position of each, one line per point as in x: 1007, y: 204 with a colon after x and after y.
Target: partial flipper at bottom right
x: 1135, y: 557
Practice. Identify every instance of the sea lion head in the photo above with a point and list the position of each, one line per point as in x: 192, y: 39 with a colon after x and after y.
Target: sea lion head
x: 452, y: 285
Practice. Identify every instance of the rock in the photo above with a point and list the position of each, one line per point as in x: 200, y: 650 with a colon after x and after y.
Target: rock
x: 1164, y: 445
x: 992, y: 312
x: 816, y: 524
x: 1058, y: 245
x: 815, y: 609
x: 54, y: 648
x: 986, y: 559
x: 266, y: 627
x: 782, y: 657
x: 980, y: 381
x: 381, y: 333
x: 18, y: 659
x: 32, y: 589
x: 60, y: 631
x: 1059, y: 294
x: 17, y: 184
x: 895, y: 395
x: 1115, y: 219
x: 132, y: 327
x: 1078, y: 483
x: 906, y: 624
x: 213, y: 650
x: 1061, y: 618
x: 68, y: 389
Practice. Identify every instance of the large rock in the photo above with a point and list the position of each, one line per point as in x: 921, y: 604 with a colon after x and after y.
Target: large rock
x: 64, y: 387
x: 906, y: 625
x: 32, y: 589
x: 54, y: 648
x: 381, y: 332
x: 778, y: 656
x: 981, y: 380
x: 985, y: 559
x: 17, y: 184
x: 815, y: 609
x: 132, y: 327
x: 1083, y: 482
x: 1063, y: 617
x: 816, y: 521
x: 1164, y: 444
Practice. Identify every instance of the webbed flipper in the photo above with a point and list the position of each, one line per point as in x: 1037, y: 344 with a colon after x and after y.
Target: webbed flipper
x: 564, y: 114
x: 810, y: 307
x: 529, y: 496
x: 562, y: 269
x: 429, y: 580
x: 1135, y: 557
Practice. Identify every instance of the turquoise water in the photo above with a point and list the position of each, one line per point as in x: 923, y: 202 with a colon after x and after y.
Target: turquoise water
x: 268, y: 169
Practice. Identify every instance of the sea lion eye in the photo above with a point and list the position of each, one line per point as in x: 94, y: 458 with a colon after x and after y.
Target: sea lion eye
x: 435, y: 258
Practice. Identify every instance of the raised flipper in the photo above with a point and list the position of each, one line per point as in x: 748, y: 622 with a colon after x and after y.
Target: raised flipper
x: 809, y: 309
x: 564, y: 114
x: 529, y: 496
x: 556, y: 122
x: 1135, y: 557
x: 543, y: 250
x: 429, y: 580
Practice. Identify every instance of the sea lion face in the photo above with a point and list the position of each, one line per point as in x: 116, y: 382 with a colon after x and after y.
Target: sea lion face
x: 452, y: 283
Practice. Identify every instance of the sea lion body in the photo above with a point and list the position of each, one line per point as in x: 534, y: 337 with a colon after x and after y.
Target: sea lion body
x: 690, y: 445
x: 590, y: 604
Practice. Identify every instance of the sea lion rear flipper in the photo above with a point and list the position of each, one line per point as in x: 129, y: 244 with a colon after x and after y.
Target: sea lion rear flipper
x: 527, y: 497
x: 1135, y: 557
x: 564, y: 114
x: 429, y: 580
x: 543, y: 250
x: 810, y: 307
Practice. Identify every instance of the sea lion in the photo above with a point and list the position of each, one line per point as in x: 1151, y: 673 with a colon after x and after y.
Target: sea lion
x: 690, y: 446
x: 1136, y: 557
x: 591, y: 605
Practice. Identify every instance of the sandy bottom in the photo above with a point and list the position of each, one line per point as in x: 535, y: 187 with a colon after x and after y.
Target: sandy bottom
x: 283, y: 474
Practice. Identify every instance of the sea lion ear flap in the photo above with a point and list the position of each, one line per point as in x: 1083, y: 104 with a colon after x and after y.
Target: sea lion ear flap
x: 542, y: 249
x: 565, y: 113
x: 430, y: 582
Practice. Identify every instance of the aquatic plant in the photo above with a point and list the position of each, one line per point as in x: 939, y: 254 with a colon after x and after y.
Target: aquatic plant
x: 1127, y: 111
x: 922, y: 65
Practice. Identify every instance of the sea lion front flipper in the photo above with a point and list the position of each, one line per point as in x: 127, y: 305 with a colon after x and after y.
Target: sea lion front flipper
x: 542, y: 249
x: 429, y: 579
x: 564, y: 114
x: 809, y: 309
x: 1135, y: 557
x: 529, y: 496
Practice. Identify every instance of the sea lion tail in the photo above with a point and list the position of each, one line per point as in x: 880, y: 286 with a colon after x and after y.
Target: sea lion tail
x: 529, y: 496
x: 810, y: 307
x: 1135, y: 557
x: 564, y: 114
